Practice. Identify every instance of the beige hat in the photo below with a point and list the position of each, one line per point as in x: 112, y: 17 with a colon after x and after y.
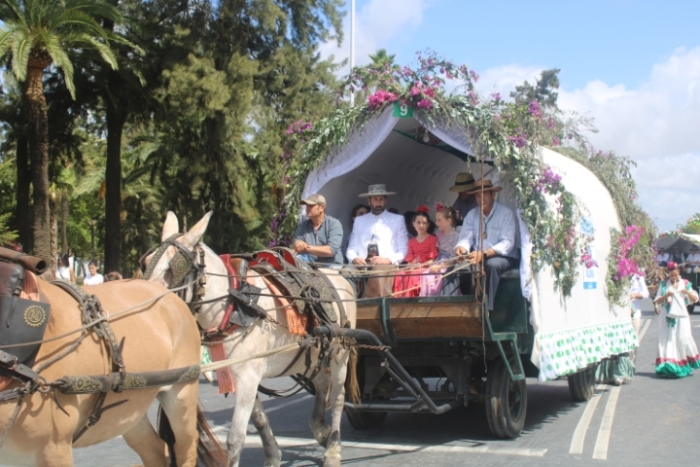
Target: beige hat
x: 377, y: 190
x: 484, y: 185
x: 314, y: 199
x: 464, y: 181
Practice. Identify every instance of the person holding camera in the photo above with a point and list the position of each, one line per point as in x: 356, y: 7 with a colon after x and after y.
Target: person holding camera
x: 378, y: 240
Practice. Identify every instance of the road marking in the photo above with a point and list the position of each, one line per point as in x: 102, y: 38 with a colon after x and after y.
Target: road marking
x: 600, y: 451
x: 218, y: 428
x: 645, y: 327
x: 582, y: 427
x: 254, y: 441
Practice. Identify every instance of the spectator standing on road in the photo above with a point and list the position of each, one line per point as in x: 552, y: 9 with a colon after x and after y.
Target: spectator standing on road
x: 677, y: 354
x: 621, y: 369
x: 63, y: 269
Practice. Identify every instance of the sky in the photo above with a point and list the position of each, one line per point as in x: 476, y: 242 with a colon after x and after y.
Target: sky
x: 633, y: 66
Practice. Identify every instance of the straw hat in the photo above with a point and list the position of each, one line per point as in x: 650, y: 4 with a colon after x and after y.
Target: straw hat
x: 376, y: 190
x: 464, y: 181
x: 484, y: 185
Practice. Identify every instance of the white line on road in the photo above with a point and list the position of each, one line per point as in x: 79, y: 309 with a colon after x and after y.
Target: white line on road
x: 582, y: 427
x: 645, y: 327
x: 600, y: 451
x: 285, y: 442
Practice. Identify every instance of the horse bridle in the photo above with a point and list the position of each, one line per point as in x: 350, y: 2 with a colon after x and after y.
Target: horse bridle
x: 181, y: 265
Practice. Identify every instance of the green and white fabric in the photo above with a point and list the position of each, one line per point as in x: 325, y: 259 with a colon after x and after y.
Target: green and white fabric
x: 564, y: 352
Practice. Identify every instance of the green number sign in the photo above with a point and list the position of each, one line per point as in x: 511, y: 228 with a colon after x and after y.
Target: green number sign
x: 402, y: 110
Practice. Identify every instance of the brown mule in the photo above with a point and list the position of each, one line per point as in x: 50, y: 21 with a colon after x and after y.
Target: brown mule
x: 158, y: 336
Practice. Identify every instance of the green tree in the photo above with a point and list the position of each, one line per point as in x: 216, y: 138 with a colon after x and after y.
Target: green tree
x: 544, y: 90
x: 37, y: 34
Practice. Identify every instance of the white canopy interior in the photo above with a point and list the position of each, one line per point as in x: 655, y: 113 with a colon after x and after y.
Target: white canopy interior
x: 683, y: 241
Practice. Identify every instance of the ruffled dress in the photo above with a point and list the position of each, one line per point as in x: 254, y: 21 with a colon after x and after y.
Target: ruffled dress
x: 677, y: 354
x: 407, y: 283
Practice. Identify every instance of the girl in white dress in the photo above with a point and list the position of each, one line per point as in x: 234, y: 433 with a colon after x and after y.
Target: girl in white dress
x: 677, y: 354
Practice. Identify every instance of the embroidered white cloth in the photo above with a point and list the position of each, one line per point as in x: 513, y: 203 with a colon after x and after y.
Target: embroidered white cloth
x: 499, y: 226
x: 387, y: 229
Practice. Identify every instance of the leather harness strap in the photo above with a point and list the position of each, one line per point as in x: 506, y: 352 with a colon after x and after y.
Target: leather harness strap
x: 92, y: 315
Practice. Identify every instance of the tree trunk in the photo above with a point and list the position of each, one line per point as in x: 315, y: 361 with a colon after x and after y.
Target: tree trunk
x: 39, y: 154
x: 116, y: 118
x: 64, y: 220
x: 53, y: 217
x: 23, y: 210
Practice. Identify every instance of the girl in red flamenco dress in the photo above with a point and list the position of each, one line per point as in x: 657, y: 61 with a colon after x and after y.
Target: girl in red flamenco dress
x: 421, y: 249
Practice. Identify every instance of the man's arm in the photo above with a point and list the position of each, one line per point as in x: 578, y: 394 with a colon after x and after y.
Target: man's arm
x: 353, y: 245
x: 506, y: 241
x: 335, y: 239
x: 400, y: 243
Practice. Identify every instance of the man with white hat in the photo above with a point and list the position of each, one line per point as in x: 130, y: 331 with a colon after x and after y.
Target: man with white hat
x: 378, y: 239
x: 465, y: 202
x: 489, y: 235
x: 318, y: 238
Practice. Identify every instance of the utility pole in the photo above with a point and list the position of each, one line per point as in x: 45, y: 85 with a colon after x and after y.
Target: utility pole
x: 352, y: 46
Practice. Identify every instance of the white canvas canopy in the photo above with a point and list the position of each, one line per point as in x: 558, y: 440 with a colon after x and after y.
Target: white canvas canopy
x: 570, y: 332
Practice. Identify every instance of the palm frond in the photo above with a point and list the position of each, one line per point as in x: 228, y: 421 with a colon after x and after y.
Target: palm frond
x: 21, y: 49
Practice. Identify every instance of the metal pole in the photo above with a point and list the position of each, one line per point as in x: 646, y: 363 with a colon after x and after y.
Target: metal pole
x: 352, y: 46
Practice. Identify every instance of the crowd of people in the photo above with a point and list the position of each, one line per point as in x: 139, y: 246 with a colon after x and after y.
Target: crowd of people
x: 92, y: 277
x: 412, y: 255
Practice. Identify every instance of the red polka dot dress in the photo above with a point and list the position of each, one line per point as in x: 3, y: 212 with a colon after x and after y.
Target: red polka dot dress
x: 407, y: 283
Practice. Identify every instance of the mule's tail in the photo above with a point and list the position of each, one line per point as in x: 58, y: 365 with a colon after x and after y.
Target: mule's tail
x: 210, y: 453
x: 166, y: 434
x: 352, y: 384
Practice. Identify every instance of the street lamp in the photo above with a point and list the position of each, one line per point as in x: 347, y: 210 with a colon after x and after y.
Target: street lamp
x: 92, y: 224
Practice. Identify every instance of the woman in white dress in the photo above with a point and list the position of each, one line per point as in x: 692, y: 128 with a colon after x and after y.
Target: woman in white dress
x: 677, y: 354
x: 63, y: 270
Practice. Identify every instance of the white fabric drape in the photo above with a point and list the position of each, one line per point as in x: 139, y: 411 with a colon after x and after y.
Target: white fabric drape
x: 361, y: 144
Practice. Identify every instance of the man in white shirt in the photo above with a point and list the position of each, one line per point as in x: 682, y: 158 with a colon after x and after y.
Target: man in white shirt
x: 662, y: 258
x: 494, y: 225
x: 693, y: 258
x: 379, y: 239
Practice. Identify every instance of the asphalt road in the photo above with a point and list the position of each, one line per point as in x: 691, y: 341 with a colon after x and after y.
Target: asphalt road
x: 649, y: 422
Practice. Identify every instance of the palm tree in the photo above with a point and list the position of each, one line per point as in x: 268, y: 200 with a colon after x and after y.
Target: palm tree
x: 36, y: 34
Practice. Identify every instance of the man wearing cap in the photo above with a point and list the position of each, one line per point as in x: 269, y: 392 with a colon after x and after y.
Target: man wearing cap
x: 465, y: 202
x: 318, y: 238
x: 494, y: 225
x: 378, y: 239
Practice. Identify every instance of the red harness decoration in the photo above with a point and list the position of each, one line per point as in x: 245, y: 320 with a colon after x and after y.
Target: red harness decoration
x: 224, y: 326
x: 217, y: 352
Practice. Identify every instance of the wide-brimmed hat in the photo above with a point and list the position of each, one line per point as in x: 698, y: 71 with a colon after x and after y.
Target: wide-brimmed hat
x: 464, y: 181
x: 484, y: 185
x: 314, y: 199
x: 376, y: 190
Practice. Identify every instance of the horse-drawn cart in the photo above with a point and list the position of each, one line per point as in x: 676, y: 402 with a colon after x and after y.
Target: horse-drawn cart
x: 434, y: 354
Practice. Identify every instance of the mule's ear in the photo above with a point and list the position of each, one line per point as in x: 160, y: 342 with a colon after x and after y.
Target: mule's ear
x: 195, y: 234
x: 170, y: 227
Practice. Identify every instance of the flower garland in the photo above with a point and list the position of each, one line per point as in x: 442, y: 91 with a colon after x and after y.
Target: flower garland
x: 509, y: 134
x: 623, y: 263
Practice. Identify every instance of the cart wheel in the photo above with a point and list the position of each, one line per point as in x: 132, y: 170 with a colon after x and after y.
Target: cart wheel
x: 506, y: 402
x: 582, y: 384
x: 361, y: 420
